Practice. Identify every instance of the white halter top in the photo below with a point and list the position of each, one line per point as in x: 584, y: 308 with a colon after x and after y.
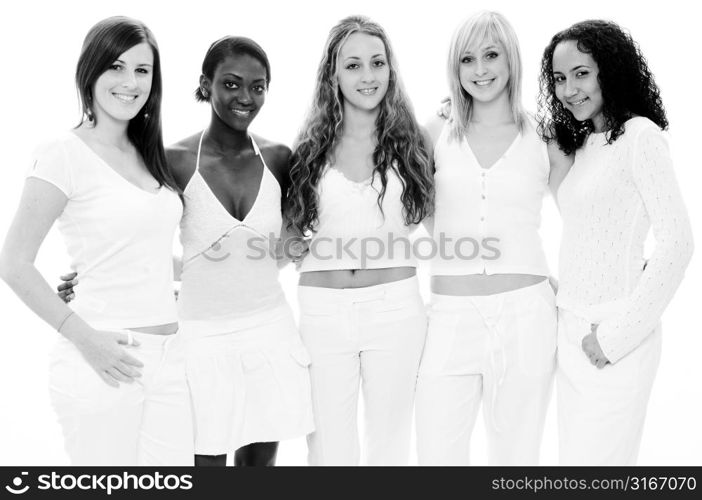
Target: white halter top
x: 229, y: 265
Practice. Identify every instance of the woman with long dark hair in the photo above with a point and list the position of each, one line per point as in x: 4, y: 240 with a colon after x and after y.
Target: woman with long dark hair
x: 599, y: 101
x: 361, y: 178
x: 117, y: 374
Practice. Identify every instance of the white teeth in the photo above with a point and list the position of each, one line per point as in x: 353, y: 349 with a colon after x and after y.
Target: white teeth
x: 241, y: 112
x: 482, y: 83
x: 578, y: 103
x: 125, y: 97
x: 368, y: 91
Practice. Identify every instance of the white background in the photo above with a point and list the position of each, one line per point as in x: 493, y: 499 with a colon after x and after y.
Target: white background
x: 39, y: 46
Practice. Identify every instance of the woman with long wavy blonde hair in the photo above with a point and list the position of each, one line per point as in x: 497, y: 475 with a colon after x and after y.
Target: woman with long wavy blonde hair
x: 360, y: 175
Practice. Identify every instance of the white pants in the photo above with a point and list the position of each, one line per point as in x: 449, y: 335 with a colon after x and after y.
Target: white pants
x: 374, y: 335
x: 601, y: 412
x: 498, y: 350
x: 146, y: 422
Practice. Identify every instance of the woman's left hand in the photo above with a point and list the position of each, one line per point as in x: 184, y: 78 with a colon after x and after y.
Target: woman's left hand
x: 592, y: 348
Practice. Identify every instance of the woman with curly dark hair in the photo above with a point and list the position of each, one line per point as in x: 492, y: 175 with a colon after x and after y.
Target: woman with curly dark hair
x: 361, y: 177
x: 599, y: 100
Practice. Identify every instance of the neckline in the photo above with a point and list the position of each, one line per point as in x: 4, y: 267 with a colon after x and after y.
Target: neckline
x: 109, y: 167
x: 257, y: 152
x: 365, y: 182
x: 503, y: 156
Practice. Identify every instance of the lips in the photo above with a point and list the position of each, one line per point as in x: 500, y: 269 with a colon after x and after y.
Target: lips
x: 579, y: 102
x: 483, y: 83
x: 125, y: 98
x: 368, y: 91
x: 243, y: 113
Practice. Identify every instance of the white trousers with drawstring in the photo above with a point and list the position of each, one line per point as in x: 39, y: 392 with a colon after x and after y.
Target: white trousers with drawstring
x: 498, y: 350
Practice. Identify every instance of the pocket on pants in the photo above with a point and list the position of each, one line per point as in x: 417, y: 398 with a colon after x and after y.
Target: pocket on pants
x: 74, y: 387
x: 441, y: 335
x: 537, y: 333
x: 399, y: 309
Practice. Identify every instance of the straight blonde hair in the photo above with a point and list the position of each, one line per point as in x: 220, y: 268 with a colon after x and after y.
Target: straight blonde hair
x: 474, y: 31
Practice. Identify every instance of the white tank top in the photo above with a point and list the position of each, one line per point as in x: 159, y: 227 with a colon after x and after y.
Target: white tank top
x: 229, y: 265
x: 352, y: 232
x: 487, y: 220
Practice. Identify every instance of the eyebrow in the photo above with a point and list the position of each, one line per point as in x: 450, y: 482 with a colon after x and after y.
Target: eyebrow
x: 489, y: 47
x: 579, y: 66
x: 358, y: 58
x: 139, y: 65
x: 240, y: 78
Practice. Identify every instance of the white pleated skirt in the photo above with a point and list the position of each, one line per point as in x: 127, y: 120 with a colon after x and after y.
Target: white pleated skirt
x: 249, y: 384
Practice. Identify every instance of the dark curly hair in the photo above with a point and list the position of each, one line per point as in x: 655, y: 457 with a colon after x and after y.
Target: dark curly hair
x: 627, y: 85
x: 400, y: 144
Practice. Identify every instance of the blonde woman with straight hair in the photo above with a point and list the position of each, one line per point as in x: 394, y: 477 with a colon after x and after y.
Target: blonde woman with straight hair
x: 492, y: 321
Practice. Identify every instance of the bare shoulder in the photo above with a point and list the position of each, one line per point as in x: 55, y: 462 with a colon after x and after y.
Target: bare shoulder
x: 277, y: 157
x: 181, y: 158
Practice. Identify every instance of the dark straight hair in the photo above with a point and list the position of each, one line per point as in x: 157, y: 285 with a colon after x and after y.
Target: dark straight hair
x: 105, y: 43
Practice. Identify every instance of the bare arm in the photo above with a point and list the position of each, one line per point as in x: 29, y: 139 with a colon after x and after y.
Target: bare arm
x: 40, y: 206
x: 560, y: 164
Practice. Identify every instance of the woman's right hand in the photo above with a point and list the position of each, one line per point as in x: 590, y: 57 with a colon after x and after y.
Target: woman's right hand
x: 65, y: 289
x: 104, y: 353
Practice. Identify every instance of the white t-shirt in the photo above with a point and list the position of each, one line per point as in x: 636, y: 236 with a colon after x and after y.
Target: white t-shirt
x: 119, y: 237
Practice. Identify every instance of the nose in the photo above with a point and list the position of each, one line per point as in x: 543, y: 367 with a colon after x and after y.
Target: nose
x: 129, y: 81
x: 480, y: 68
x: 367, y: 76
x: 570, y: 88
x: 243, y: 96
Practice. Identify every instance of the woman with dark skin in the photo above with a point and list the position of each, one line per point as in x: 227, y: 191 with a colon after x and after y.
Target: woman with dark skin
x: 235, y: 168
x: 246, y: 368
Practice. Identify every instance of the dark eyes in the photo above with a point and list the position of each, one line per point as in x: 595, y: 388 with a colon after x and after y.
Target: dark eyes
x: 378, y: 63
x: 119, y: 67
x: 488, y: 56
x: 560, y: 78
x: 259, y: 89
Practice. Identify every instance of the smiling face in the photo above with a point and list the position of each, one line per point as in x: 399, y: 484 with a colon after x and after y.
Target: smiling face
x: 576, y: 84
x: 237, y: 90
x: 123, y: 89
x: 363, y: 71
x: 484, y: 71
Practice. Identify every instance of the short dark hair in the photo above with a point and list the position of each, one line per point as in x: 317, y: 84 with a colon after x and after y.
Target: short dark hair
x: 628, y: 87
x: 227, y: 46
x: 104, y: 43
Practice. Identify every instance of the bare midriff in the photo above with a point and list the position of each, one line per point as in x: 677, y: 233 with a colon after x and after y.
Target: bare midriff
x: 167, y: 329
x: 482, y: 284
x: 355, y: 278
